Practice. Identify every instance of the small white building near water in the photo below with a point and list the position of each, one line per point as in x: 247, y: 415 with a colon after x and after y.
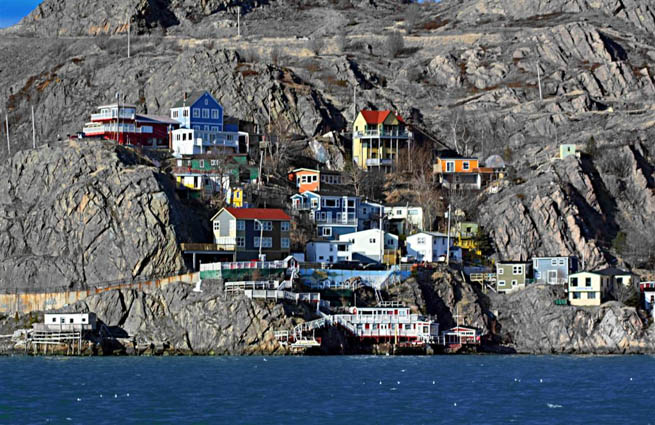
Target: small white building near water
x: 370, y: 245
x: 327, y: 251
x: 431, y: 247
x: 70, y: 321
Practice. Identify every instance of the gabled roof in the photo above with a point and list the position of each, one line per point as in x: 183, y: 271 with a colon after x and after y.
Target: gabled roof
x: 256, y: 213
x: 156, y: 119
x: 378, y: 117
x: 612, y: 271
x: 433, y: 234
x: 191, y: 98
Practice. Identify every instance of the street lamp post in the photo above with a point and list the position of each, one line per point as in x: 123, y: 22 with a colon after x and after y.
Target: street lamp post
x: 261, y: 237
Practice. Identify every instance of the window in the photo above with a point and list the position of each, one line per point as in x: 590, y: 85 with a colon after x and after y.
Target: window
x: 587, y: 282
x: 196, y: 113
x: 214, y: 129
x: 450, y: 166
x: 205, y: 127
x: 517, y: 269
x: 285, y: 226
x: 465, y: 165
x: 619, y: 280
x: 501, y: 283
x: 561, y: 261
x: 241, y: 242
x: 331, y: 203
x: 576, y: 296
x: 206, y: 102
x: 185, y: 113
x: 420, y: 240
x: 501, y: 271
x: 268, y: 226
x: 327, y: 231
x: 514, y: 283
x: 591, y: 295
x: 266, y: 242
x: 70, y: 321
x: 217, y: 226
x: 574, y: 281
x: 284, y: 243
x: 241, y: 225
x: 54, y: 320
x: 553, y: 262
x: 174, y: 114
x: 205, y: 113
x: 215, y: 114
x: 202, y: 163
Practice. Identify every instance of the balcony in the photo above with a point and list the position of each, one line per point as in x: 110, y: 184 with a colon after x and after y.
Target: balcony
x: 110, y: 128
x: 340, y: 221
x: 374, y: 134
x: 127, y: 115
x: 377, y: 162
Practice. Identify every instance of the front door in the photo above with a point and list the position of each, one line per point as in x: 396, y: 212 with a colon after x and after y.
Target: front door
x: 552, y: 276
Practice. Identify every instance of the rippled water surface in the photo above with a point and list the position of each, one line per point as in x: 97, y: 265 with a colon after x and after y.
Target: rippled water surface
x: 310, y: 390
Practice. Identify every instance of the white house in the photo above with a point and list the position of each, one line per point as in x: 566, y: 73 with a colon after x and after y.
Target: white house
x: 185, y: 141
x: 405, y: 217
x: 327, y: 251
x: 428, y: 246
x: 648, y: 291
x: 70, y: 321
x: 370, y: 245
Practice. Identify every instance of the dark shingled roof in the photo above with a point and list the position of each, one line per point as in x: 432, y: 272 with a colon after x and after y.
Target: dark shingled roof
x: 191, y: 99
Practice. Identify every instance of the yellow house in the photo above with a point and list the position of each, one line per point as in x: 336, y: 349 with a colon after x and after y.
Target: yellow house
x: 588, y: 288
x: 378, y: 136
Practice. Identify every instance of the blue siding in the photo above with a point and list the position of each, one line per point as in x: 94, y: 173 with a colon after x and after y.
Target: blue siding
x: 543, y: 266
x: 207, y: 103
x: 231, y: 127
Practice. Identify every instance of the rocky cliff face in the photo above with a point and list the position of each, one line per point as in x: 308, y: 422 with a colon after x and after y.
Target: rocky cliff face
x: 514, y: 78
x: 76, y: 214
x: 178, y: 320
x: 531, y: 323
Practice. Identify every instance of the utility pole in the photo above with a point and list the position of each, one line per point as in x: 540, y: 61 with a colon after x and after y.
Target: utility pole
x: 261, y: 237
x: 7, y: 128
x: 539, y: 81
x: 239, y: 22
x: 448, y: 239
x: 33, y: 130
x: 354, y: 102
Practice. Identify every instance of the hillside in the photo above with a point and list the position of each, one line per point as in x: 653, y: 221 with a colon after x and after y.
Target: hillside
x: 513, y: 78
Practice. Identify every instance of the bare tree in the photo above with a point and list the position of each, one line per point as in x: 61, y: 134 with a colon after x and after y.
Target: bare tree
x: 316, y: 45
x: 395, y: 44
x: 276, y: 54
x: 341, y: 42
x: 412, y: 17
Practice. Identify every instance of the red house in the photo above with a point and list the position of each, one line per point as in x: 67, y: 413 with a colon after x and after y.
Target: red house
x: 122, y: 124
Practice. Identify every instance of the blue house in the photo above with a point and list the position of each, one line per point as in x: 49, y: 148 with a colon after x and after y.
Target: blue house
x: 554, y: 270
x: 369, y: 214
x: 199, y: 111
x: 333, y: 214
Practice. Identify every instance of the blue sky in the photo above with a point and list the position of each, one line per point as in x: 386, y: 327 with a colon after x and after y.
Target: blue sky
x: 11, y: 11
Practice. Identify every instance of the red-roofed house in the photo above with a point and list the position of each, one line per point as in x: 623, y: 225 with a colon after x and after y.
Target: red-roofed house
x: 378, y: 137
x: 243, y: 230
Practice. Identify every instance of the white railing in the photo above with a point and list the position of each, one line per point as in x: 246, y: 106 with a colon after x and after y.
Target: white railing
x: 377, y: 162
x: 226, y: 241
x: 377, y: 133
x: 237, y: 265
x: 108, y: 115
x: 111, y: 128
x: 334, y: 220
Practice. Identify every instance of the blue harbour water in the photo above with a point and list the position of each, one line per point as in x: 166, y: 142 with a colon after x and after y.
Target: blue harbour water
x: 325, y: 390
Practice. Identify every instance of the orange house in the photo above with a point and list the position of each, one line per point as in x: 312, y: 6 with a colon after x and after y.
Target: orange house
x: 456, y: 165
x: 306, y: 179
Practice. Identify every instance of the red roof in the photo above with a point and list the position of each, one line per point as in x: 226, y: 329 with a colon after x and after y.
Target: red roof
x: 378, y: 117
x: 258, y: 213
